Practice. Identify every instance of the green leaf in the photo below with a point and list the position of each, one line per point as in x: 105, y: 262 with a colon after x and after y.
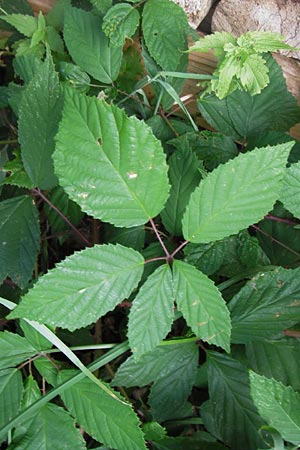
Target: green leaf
x: 17, y: 176
x: 133, y: 237
x: 102, y: 5
x: 120, y: 22
x: 101, y: 416
x: 19, y: 230
x: 279, y: 405
x: 89, y: 47
x: 160, y: 19
x: 173, y: 370
x: 215, y: 41
x: 74, y: 75
x: 235, y: 416
x: 66, y: 206
x: 124, y: 179
x: 264, y: 41
x: 152, y: 312
x: 39, y: 116
x: 54, y: 40
x: 202, y: 305
x: 25, y: 24
x: 206, y: 257
x: 31, y: 392
x: 27, y: 66
x: 254, y: 74
x: 273, y: 358
x: 236, y: 194
x: 52, y: 428
x: 11, y: 391
x: 241, y: 115
x: 290, y: 193
x: 83, y: 287
x: 184, y: 176
x: 266, y: 305
x: 14, y: 349
x: 37, y: 340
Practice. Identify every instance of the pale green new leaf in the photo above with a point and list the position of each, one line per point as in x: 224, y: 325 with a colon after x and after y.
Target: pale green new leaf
x: 266, y: 305
x: 39, y: 116
x: 52, y: 428
x: 264, y: 41
x: 89, y: 47
x: 124, y: 176
x: 152, y: 312
x: 11, y: 391
x: 160, y: 20
x: 106, y: 420
x: 235, y: 417
x: 19, y: 239
x: 184, y: 176
x: 279, y: 405
x: 254, y: 74
x: 25, y: 24
x: 215, y: 42
x: 236, y: 194
x: 290, y: 192
x: 227, y: 73
x: 14, y: 349
x: 83, y: 287
x: 120, y: 22
x: 202, y: 305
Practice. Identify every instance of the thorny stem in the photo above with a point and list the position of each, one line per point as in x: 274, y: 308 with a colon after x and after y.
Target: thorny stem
x: 275, y: 240
x: 281, y: 219
x: 160, y: 240
x: 38, y: 192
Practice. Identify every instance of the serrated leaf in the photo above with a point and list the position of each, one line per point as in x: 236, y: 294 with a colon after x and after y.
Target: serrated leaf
x: 36, y: 339
x: 31, y: 392
x: 27, y: 66
x: 66, y: 206
x: 173, y: 370
x: 152, y: 312
x: 11, y: 391
x: 264, y: 41
x: 124, y: 179
x: 235, y: 417
x: 202, y: 305
x: 236, y: 194
x: 290, y: 192
x: 184, y: 176
x: 266, y: 305
x: 279, y: 359
x: 120, y: 22
x: 89, y: 47
x: 17, y: 176
x: 206, y: 257
x: 160, y: 19
x: 101, y: 416
x: 241, y: 115
x: 52, y: 428
x: 133, y: 237
x: 279, y: 405
x: 52, y: 37
x: 227, y: 73
x: 83, y: 287
x: 254, y: 74
x: 14, y: 349
x: 19, y: 244
x: 39, y: 116
x: 25, y: 24
x: 215, y: 41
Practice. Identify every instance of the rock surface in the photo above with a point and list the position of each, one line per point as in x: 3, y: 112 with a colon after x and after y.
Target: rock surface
x: 196, y: 10
x: 240, y: 16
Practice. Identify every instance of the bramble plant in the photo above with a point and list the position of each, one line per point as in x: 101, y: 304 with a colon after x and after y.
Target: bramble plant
x: 177, y: 244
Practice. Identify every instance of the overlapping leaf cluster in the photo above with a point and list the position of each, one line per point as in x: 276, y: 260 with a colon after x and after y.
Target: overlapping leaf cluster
x: 210, y: 281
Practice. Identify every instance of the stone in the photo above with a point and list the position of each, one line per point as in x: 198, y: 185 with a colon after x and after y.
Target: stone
x: 196, y: 10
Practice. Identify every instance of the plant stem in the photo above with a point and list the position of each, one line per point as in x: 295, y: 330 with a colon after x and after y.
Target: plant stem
x: 158, y: 258
x: 38, y: 192
x: 275, y: 240
x: 281, y: 219
x: 183, y: 244
x: 82, y: 347
x: 160, y: 239
x: 9, y: 141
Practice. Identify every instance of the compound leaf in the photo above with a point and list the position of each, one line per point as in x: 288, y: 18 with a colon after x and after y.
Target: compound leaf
x: 160, y: 19
x: 124, y: 176
x: 89, y: 47
x: 39, y: 116
x: 120, y: 22
x: 83, y: 287
x: 235, y: 417
x: 101, y: 415
x: 279, y: 405
x: 20, y: 234
x: 52, y: 427
x: 266, y: 305
x: 290, y: 193
x: 202, y: 305
x: 152, y: 312
x: 236, y: 194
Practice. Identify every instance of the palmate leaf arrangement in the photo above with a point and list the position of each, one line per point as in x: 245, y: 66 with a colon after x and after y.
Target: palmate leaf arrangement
x: 213, y: 282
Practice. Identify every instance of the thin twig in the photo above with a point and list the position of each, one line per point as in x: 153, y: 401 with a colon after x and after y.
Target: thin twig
x: 158, y: 258
x: 160, y: 239
x: 281, y: 219
x: 183, y: 244
x: 38, y: 192
x: 275, y: 240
